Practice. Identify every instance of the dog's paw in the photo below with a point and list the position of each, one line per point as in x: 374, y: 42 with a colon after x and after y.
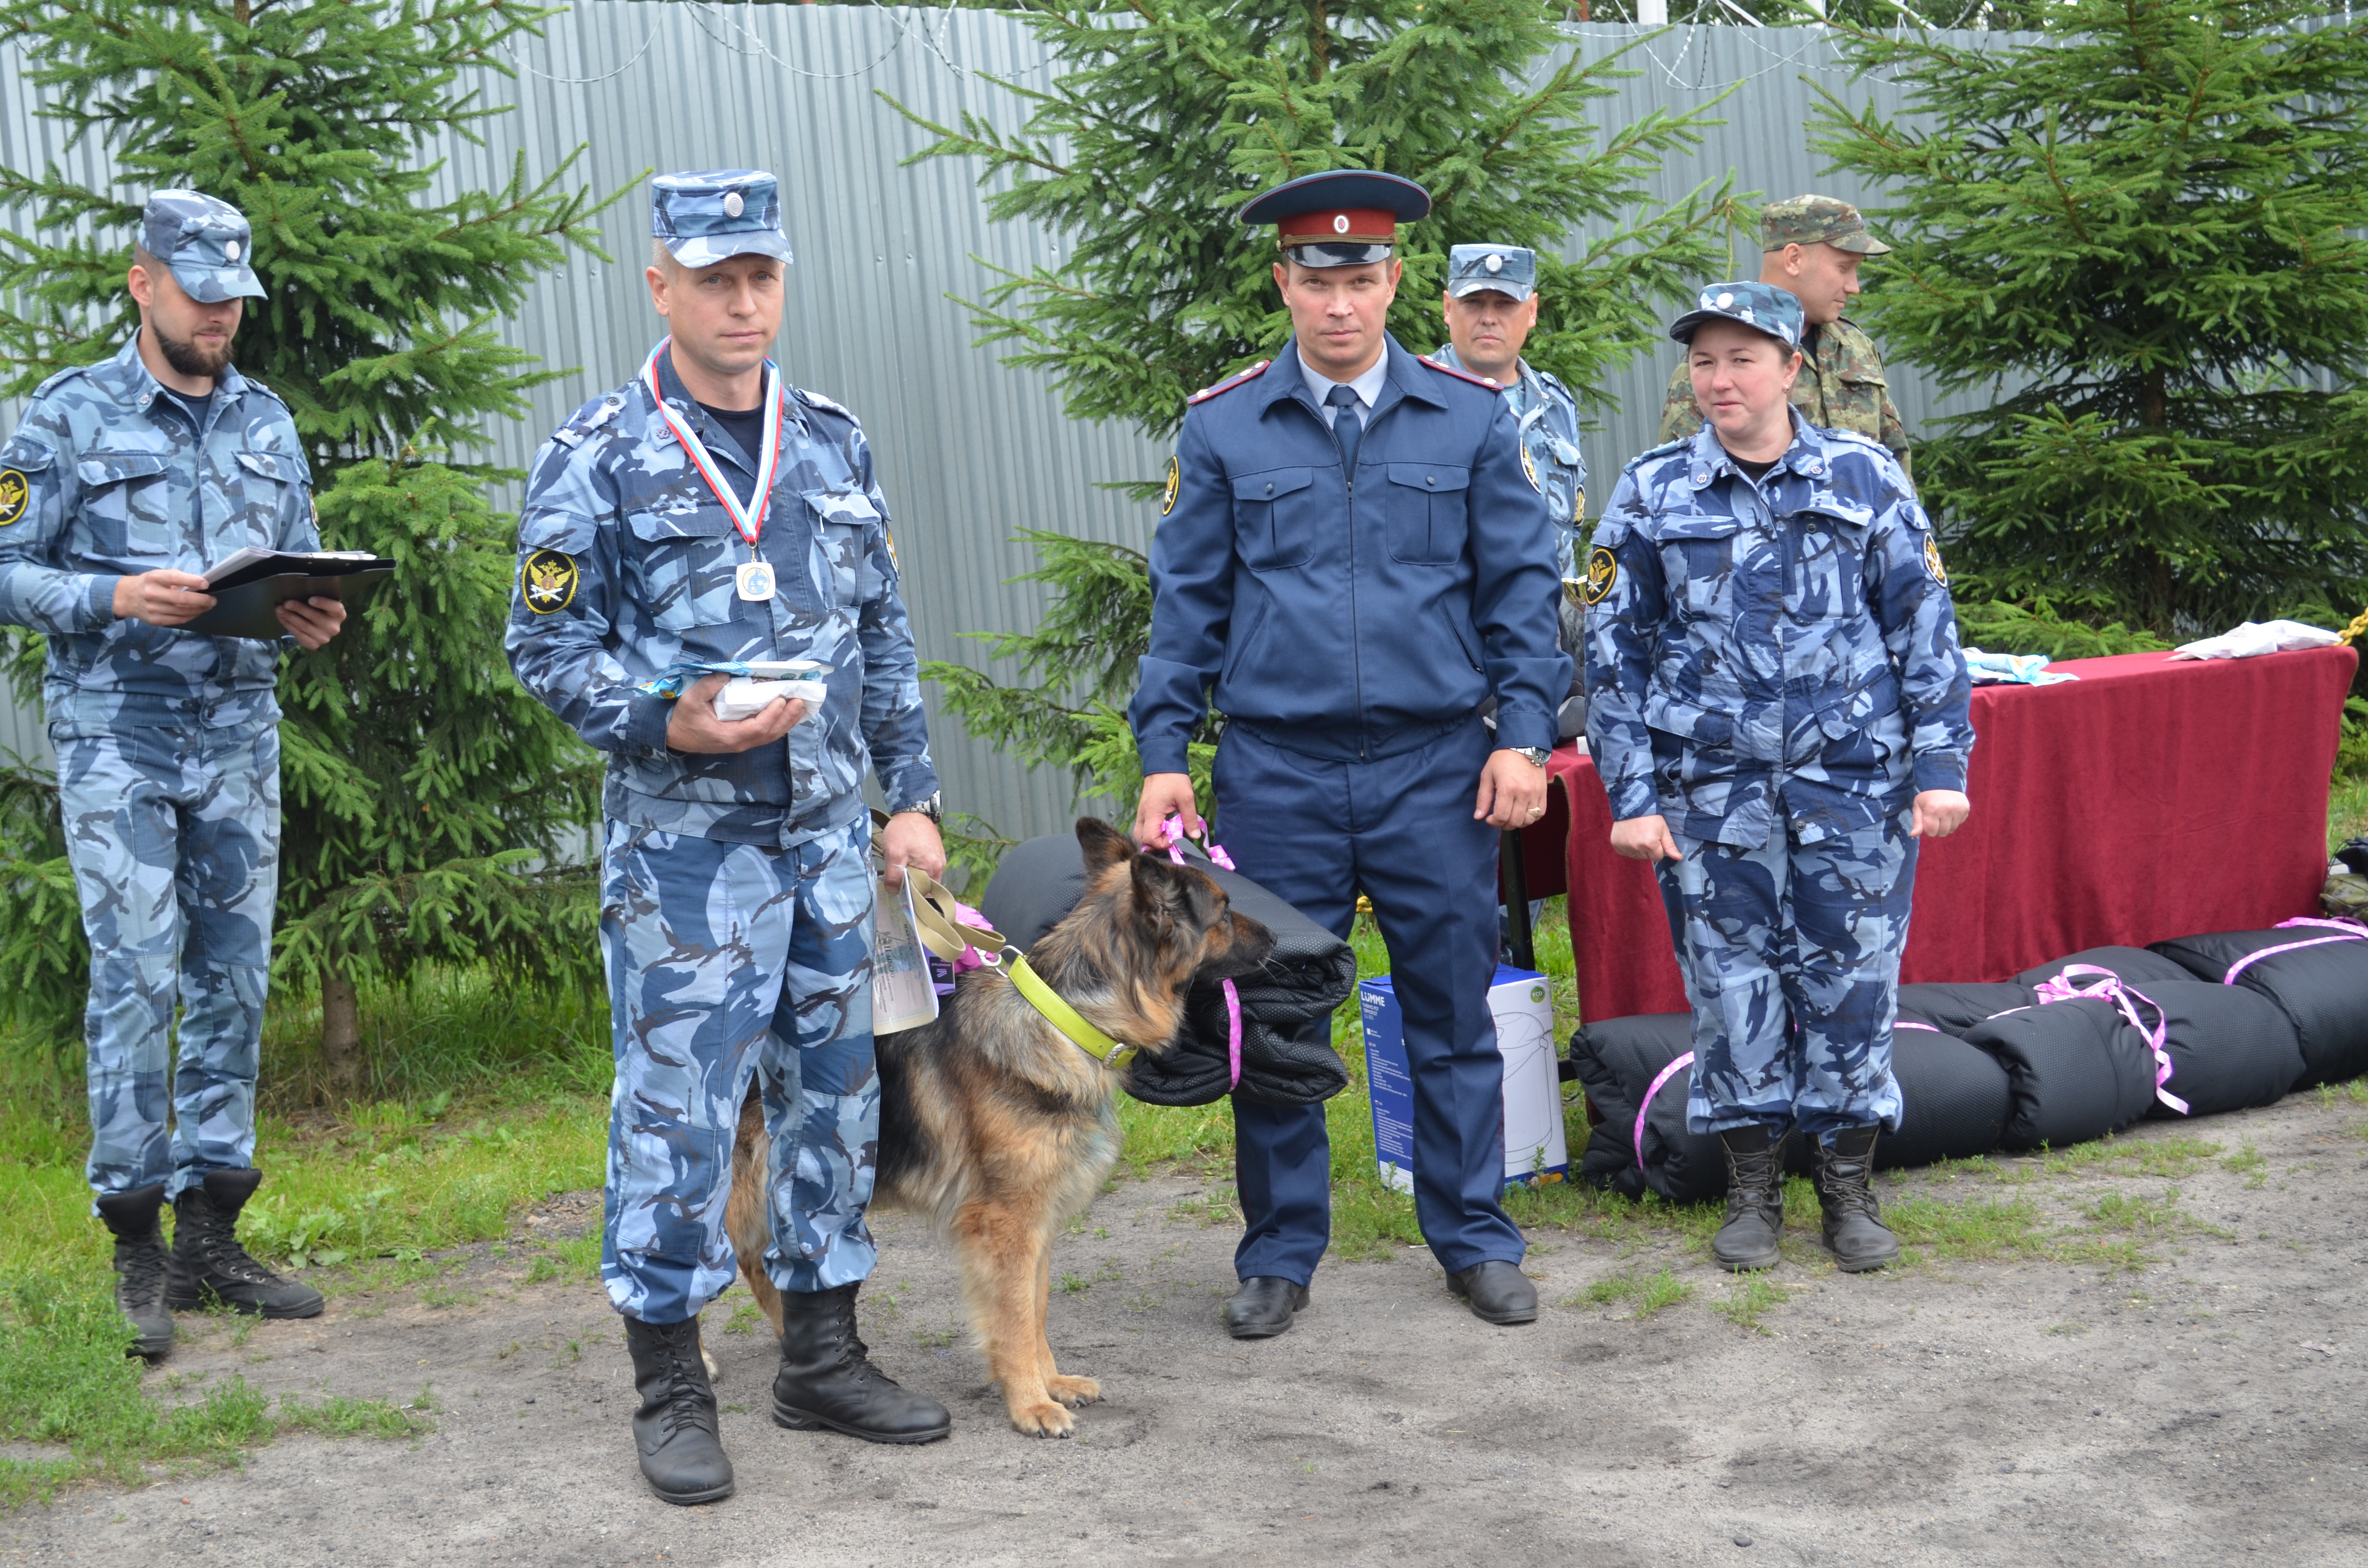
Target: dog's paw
x: 1074, y: 1392
x: 714, y: 1372
x: 1042, y: 1419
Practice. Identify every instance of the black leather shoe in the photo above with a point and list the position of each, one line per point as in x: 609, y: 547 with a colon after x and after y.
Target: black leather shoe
x: 1262, y: 1307
x: 827, y: 1379
x: 1755, y: 1200
x: 1499, y: 1293
x: 208, y: 1266
x: 682, y: 1457
x: 1854, y: 1227
x: 140, y: 1265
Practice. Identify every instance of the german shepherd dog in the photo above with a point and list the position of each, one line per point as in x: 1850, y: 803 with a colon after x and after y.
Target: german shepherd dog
x: 1000, y: 1129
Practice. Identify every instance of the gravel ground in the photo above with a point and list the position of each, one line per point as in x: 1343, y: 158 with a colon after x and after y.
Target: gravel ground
x: 2204, y: 1408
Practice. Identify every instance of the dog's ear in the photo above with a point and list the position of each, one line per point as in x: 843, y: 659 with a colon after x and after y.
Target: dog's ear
x: 1154, y: 894
x: 1104, y: 845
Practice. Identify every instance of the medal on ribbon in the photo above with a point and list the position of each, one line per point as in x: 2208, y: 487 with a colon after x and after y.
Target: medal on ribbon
x: 753, y: 579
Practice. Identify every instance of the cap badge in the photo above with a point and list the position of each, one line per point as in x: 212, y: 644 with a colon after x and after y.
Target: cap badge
x: 230, y: 249
x: 733, y: 204
x: 1495, y: 263
x: 1341, y: 223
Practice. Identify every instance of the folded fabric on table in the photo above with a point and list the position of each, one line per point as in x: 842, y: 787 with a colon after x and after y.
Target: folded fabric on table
x: 2315, y: 970
x: 2020, y: 669
x: 1287, y: 1055
x: 2254, y: 638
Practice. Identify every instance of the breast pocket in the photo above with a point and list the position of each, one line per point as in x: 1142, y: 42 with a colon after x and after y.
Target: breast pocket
x: 681, y: 564
x: 1698, y: 563
x: 847, y: 518
x: 1274, y: 523
x: 268, y: 483
x: 1829, y: 577
x: 127, y: 503
x: 1427, y: 513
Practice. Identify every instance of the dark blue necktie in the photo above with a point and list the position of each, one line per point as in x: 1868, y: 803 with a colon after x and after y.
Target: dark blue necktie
x: 1345, y: 427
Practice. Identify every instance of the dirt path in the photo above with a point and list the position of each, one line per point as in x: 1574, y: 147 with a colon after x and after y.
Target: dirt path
x: 2206, y: 1408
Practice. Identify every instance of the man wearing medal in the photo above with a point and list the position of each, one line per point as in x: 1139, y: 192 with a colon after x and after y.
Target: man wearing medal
x: 707, y: 513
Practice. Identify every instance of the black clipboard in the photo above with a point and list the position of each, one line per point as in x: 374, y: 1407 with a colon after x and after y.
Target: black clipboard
x: 246, y: 598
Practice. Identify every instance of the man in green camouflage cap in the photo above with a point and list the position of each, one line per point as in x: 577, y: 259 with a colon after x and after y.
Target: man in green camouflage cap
x: 1812, y: 246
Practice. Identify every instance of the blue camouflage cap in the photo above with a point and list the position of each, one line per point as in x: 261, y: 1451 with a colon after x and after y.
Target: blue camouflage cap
x: 716, y: 214
x: 205, y: 242
x: 1510, y: 270
x: 1761, y: 306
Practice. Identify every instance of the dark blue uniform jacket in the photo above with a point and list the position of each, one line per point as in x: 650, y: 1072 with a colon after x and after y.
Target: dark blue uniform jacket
x: 1351, y: 624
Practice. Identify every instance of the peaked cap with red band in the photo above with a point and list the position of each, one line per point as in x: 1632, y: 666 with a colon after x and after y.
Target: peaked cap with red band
x: 1341, y: 216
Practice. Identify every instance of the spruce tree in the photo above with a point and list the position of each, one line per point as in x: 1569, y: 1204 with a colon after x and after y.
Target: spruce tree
x: 430, y: 805
x: 1164, y: 117
x: 2141, y: 236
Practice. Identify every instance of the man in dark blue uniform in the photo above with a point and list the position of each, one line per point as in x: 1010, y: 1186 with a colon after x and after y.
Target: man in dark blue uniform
x: 1321, y: 567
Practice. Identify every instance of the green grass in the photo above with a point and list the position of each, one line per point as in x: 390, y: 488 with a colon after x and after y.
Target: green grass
x: 1748, y: 1300
x: 1643, y: 1295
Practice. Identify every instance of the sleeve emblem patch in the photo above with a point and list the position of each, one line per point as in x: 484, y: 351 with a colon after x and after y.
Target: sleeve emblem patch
x: 1602, y: 571
x: 16, y: 495
x: 1933, y: 561
x: 547, y: 581
x: 1530, y: 467
x: 1175, y: 483
x: 1577, y: 505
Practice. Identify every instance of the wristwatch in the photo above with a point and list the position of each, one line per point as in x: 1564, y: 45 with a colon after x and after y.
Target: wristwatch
x: 1537, y: 756
x: 929, y: 808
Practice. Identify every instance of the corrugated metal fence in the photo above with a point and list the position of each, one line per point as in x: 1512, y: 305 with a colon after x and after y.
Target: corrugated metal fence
x: 969, y: 452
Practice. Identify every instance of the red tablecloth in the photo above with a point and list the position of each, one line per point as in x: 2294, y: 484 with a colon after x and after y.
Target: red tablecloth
x: 2150, y: 798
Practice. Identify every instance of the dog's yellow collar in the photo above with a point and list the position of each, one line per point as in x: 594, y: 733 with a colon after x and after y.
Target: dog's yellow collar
x: 1059, y: 1014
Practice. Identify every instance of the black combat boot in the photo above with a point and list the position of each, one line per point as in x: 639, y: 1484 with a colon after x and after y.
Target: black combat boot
x: 1755, y: 1200
x: 682, y: 1456
x: 827, y: 1379
x: 210, y: 1266
x: 1854, y: 1227
x: 140, y: 1265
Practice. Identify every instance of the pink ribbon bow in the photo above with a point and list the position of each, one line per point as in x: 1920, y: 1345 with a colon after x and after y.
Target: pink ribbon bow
x: 1173, y: 831
x: 2108, y: 987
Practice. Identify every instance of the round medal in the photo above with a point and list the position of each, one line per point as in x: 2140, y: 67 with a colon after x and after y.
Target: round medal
x: 754, y: 579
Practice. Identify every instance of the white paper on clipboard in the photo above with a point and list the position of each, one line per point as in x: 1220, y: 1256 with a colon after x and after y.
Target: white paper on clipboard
x: 902, y: 995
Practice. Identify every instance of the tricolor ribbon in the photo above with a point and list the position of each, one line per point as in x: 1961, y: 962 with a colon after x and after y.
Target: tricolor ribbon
x: 751, y: 523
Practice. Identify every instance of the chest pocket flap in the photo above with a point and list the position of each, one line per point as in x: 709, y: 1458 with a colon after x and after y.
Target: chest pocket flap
x: 1432, y: 477
x: 96, y: 469
x: 1272, y: 484
x: 704, y: 522
x: 271, y: 465
x: 850, y: 509
x: 1699, y: 525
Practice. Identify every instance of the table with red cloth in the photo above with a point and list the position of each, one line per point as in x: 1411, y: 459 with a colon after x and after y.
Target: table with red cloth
x: 2152, y: 798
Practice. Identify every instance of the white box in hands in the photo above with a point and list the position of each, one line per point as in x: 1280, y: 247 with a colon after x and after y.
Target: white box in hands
x: 745, y: 696
x: 1536, y: 1149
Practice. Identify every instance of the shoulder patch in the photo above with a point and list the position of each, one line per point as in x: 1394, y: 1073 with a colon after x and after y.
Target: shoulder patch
x: 1174, y: 482
x: 547, y: 580
x: 1229, y: 383
x: 1602, y: 571
x: 590, y: 418
x: 16, y: 495
x: 815, y: 400
x: 1933, y: 561
x: 1445, y: 370
x: 1666, y: 448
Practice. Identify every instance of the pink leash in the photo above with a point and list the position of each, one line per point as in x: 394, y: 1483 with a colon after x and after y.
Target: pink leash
x: 2351, y: 932
x: 2109, y: 988
x: 1173, y: 831
x: 1232, y: 1035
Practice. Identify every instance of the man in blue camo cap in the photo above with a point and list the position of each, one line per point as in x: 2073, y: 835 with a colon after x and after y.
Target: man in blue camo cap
x: 124, y: 481
x: 708, y: 513
x: 1778, y: 707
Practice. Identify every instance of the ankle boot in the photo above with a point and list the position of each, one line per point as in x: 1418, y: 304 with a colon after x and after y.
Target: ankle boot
x: 1755, y: 1200
x: 1854, y: 1227
x: 682, y: 1456
x: 208, y: 1264
x: 140, y: 1265
x: 827, y: 1379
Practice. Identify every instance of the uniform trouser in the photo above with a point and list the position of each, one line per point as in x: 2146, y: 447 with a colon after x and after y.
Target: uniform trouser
x: 725, y: 961
x: 1791, y: 956
x: 173, y: 832
x: 1314, y: 833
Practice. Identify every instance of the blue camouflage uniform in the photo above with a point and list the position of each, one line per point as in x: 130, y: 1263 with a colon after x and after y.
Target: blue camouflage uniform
x: 1349, y: 635
x: 1773, y: 666
x: 1543, y: 409
x: 167, y: 745
x: 736, y: 892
